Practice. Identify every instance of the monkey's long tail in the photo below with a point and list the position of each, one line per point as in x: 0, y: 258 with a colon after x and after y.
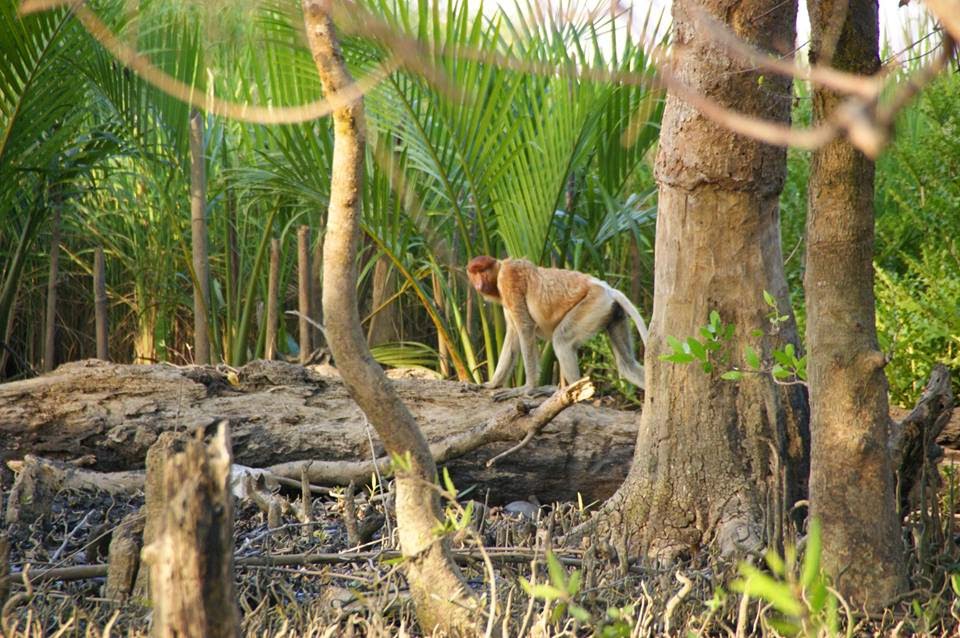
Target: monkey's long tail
x: 632, y: 311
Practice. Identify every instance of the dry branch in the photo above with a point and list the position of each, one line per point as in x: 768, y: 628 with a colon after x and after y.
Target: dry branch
x: 520, y: 421
x: 462, y: 556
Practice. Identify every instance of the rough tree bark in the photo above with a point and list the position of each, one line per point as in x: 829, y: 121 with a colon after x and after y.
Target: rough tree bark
x: 442, y: 598
x: 851, y: 474
x: 717, y: 464
x: 191, y: 552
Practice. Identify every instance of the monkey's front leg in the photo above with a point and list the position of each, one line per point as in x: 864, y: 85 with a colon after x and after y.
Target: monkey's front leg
x: 525, y: 334
x: 508, y: 354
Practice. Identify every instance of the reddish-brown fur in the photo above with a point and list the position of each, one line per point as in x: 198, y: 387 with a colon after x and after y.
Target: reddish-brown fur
x: 564, y: 306
x: 483, y: 273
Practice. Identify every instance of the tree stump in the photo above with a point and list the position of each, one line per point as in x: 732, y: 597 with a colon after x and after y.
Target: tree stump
x: 190, y: 554
x: 123, y: 562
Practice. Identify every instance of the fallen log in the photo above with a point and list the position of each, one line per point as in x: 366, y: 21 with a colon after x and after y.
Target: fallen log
x: 281, y: 414
x: 915, y: 447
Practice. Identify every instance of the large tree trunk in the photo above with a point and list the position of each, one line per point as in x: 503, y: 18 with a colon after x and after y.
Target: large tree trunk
x: 851, y: 474
x: 441, y: 596
x: 718, y: 463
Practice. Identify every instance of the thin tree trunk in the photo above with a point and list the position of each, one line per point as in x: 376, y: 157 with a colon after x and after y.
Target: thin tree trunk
x: 382, y: 327
x: 718, y: 464
x: 442, y: 599
x: 316, y: 291
x: 201, y: 262
x: 851, y: 474
x: 303, y: 291
x: 442, y: 350
x: 7, y: 336
x: 273, y: 279
x: 100, y: 305
x: 233, y: 301
x: 144, y: 341
x: 12, y: 279
x: 50, y: 336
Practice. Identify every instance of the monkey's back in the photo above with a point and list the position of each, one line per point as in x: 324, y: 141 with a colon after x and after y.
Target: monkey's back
x: 550, y: 293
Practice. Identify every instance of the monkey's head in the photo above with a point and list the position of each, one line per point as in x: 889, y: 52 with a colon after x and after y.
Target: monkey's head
x: 482, y: 272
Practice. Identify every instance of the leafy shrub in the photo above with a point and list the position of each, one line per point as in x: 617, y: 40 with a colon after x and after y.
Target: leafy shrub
x: 917, y: 253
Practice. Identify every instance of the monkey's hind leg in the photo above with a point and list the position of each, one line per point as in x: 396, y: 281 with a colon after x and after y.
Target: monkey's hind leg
x: 621, y: 340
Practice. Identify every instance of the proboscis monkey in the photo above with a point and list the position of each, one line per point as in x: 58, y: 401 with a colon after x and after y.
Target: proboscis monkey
x: 564, y: 306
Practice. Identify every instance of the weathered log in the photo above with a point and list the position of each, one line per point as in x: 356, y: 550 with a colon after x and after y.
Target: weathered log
x: 39, y: 479
x: 123, y: 561
x: 281, y: 413
x: 191, y: 554
x: 915, y: 448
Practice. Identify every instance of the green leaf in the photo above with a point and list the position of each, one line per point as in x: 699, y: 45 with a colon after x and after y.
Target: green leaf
x: 401, y: 462
x: 775, y: 563
x: 714, y: 320
x: 751, y: 357
x: 448, y: 483
x: 558, y: 613
x: 788, y: 350
x: 558, y: 575
x: 785, y: 627
x: 678, y: 357
x: 817, y: 595
x: 811, y: 558
x: 779, y: 372
x: 397, y: 560
x: 580, y: 613
x: 696, y: 348
x: 769, y: 299
x: 801, y: 368
x: 756, y: 333
x: 467, y: 516
x: 707, y: 367
x: 728, y: 331
x: 545, y: 592
x: 732, y: 375
x: 675, y: 344
x: 782, y: 358
x: 757, y: 584
x: 573, y: 585
x: 833, y: 614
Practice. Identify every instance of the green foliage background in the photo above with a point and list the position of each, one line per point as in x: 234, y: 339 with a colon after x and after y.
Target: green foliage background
x: 917, y: 259
x: 492, y: 159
